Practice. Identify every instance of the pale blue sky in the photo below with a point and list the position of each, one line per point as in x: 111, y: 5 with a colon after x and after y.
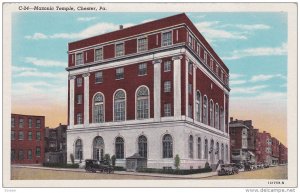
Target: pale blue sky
x: 252, y: 45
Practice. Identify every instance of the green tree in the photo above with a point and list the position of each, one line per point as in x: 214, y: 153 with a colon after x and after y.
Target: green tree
x: 107, y: 159
x: 177, y: 161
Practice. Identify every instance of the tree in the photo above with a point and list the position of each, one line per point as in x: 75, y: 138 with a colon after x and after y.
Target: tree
x: 72, y: 158
x: 177, y: 161
x: 113, y: 160
x: 107, y: 159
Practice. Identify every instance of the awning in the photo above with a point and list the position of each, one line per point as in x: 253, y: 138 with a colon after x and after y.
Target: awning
x: 252, y: 154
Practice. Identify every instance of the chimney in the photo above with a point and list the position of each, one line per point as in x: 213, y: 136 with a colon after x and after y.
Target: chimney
x: 121, y: 27
x: 231, y: 119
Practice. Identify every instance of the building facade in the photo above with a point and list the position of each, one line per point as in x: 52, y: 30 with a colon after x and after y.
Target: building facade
x: 242, y: 141
x: 275, y: 151
x: 157, y: 89
x: 283, y: 154
x: 27, y: 139
x: 264, y: 148
x: 56, y: 144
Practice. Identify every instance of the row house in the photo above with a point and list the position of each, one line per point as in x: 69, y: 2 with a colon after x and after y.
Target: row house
x: 157, y: 89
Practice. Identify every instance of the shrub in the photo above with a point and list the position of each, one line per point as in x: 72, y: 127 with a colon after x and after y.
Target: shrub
x: 207, y: 165
x: 107, y: 159
x: 113, y: 160
x: 177, y: 161
x: 60, y: 165
x: 175, y: 172
x: 72, y: 158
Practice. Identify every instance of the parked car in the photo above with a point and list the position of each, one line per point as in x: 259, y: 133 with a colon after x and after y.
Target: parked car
x: 266, y: 165
x: 226, y: 169
x: 95, y: 165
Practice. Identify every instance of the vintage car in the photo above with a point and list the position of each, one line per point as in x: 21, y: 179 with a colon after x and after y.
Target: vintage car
x: 226, y: 169
x: 95, y: 165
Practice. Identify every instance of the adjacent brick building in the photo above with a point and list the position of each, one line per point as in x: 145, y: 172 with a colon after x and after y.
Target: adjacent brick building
x: 157, y: 89
x: 242, y: 141
x: 275, y: 151
x: 27, y: 139
x: 264, y: 148
x: 283, y: 154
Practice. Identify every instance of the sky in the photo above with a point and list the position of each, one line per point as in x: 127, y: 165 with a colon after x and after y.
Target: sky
x: 253, y: 46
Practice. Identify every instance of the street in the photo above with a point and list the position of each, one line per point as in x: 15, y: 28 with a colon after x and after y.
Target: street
x: 18, y: 173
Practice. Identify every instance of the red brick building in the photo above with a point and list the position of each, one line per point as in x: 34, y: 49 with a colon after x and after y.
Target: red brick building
x: 283, y: 154
x: 27, y: 139
x: 264, y: 148
x: 242, y: 141
x: 157, y: 89
x: 275, y: 151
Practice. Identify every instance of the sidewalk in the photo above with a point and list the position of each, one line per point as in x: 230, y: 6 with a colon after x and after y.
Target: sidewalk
x: 190, y: 176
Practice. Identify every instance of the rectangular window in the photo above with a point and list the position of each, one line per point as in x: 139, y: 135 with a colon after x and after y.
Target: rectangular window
x: 12, y: 122
x: 119, y: 73
x: 98, y: 77
x: 29, y: 135
x: 38, y: 123
x: 29, y: 154
x: 167, y: 110
x: 21, y: 155
x: 12, y: 135
x: 222, y: 75
x: 142, y: 108
x: 38, y: 136
x: 167, y: 86
x: 190, y: 40
x: 198, y: 49
x: 190, y: 68
x: 217, y: 69
x: 79, y: 99
x: 13, y: 155
x: 21, y: 122
x: 190, y: 110
x: 119, y: 49
x: 142, y: 69
x: 167, y: 66
x: 190, y: 88
x: 142, y: 44
x: 205, y: 58
x: 79, y: 81
x: 79, y: 58
x: 167, y: 38
x: 38, y: 151
x: 98, y: 54
x: 79, y: 118
x: 21, y: 135
x: 119, y: 108
x: 211, y: 64
x: 30, y: 123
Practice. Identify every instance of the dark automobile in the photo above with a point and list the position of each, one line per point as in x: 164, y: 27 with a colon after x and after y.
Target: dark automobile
x: 226, y: 169
x: 236, y: 167
x: 95, y: 165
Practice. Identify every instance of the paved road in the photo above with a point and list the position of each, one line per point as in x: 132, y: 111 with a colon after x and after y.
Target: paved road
x: 279, y: 172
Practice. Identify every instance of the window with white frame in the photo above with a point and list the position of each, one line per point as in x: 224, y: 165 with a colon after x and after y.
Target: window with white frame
x: 98, y: 54
x: 211, y: 64
x: 21, y: 155
x: 12, y: 135
x: 191, y: 147
x: 198, y: 106
x: 190, y: 68
x: 119, y: 148
x: 167, y: 86
x: 38, y: 135
x: 205, y: 57
x: 217, y: 70
x: 38, y: 123
x: 167, y: 66
x: 199, y: 148
x: 79, y: 118
x: 78, y: 150
x: 79, y: 99
x: 190, y: 40
x: 29, y: 154
x: 167, y: 144
x: 79, y: 81
x: 205, y: 110
x: 167, y: 110
x: 142, y: 146
x: 99, y: 77
x: 30, y: 123
x: 98, y: 108
x: 12, y: 122
x: 142, y: 103
x: 142, y: 69
x: 142, y: 44
x: 21, y: 135
x: 205, y: 149
x: 29, y: 135
x: 79, y: 59
x: 198, y: 49
x: 217, y: 151
x: 167, y: 38
x: 119, y: 73
x: 217, y: 117
x: 119, y: 49
x: 222, y: 119
x: 21, y: 122
x: 211, y: 113
x: 119, y: 106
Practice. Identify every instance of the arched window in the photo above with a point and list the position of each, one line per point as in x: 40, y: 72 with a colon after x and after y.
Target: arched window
x: 211, y: 151
x: 211, y: 113
x: 98, y: 148
x: 199, y: 148
x: 205, y: 113
x: 206, y: 149
x: 217, y: 117
x: 191, y: 146
x: 119, y: 148
x: 198, y: 106
x: 119, y: 106
x: 142, y: 146
x: 167, y: 146
x: 78, y: 149
x: 217, y: 151
x: 226, y: 152
x: 222, y: 119
x: 142, y: 103
x: 222, y: 152
x: 98, y: 108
